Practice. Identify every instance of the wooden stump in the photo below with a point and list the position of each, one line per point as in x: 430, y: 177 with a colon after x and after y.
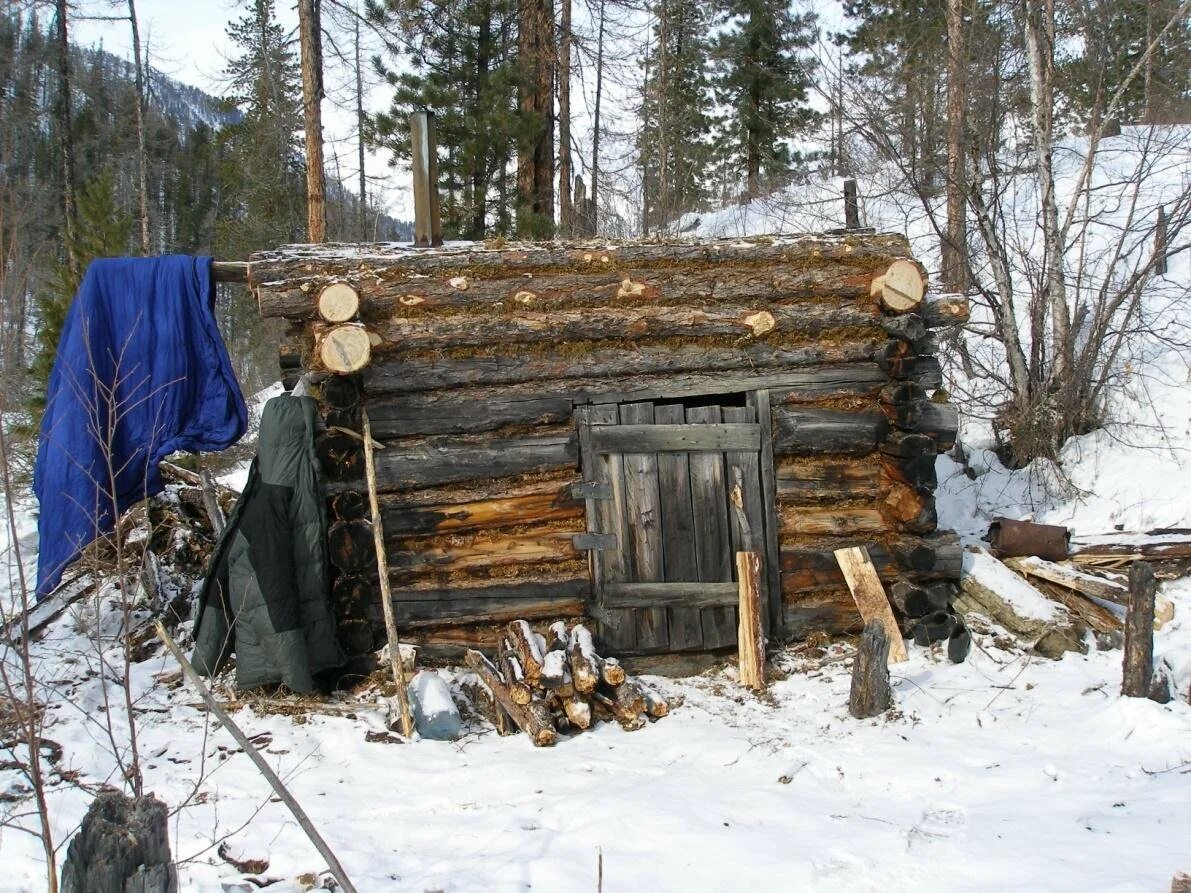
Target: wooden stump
x: 870, y: 694
x: 1139, y: 632
x: 123, y: 845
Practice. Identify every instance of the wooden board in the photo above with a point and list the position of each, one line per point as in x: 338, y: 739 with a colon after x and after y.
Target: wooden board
x: 617, y: 627
x: 643, y: 506
x: 709, y: 500
x: 772, y: 610
x: 676, y: 438
x: 676, y: 596
x: 684, y: 623
x: 749, y: 464
x: 870, y: 597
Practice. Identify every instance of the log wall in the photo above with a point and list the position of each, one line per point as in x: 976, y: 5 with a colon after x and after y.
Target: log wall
x: 480, y: 356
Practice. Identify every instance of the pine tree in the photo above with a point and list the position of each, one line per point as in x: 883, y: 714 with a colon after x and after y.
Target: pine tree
x: 262, y: 171
x: 104, y: 231
x: 673, y: 144
x: 464, y: 70
x: 763, y: 75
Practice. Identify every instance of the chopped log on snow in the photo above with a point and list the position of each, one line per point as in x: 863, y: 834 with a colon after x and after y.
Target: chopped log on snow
x: 559, y: 638
x: 514, y: 676
x: 578, y: 711
x: 611, y: 671
x: 655, y: 705
x: 582, y: 657
x: 532, y: 718
x: 870, y: 694
x: 1139, y: 632
x: 525, y: 644
x: 1071, y: 578
x: 1122, y: 551
x: 554, y: 674
x: 869, y: 594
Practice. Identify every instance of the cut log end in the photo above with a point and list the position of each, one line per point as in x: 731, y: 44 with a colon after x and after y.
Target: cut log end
x: 901, y: 287
x: 338, y: 302
x: 345, y: 348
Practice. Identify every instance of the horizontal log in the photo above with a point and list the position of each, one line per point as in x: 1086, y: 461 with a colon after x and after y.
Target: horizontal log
x: 431, y: 371
x: 341, y: 456
x: 487, y: 550
x: 909, y: 509
x: 524, y: 324
x: 342, y: 391
x: 350, y: 545
x: 438, y: 413
x: 836, y: 617
x: 801, y: 430
x: 946, y: 310
x: 441, y: 612
x: 802, y: 481
x: 939, y: 422
x: 796, y: 521
x: 553, y: 503
x: 487, y: 408
x: 811, y: 566
x: 675, y: 438
x: 443, y: 460
x: 676, y: 595
x: 288, y: 280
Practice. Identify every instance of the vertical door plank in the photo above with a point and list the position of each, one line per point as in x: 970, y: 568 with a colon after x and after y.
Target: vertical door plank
x: 643, y: 517
x: 754, y: 504
x: 709, y: 500
x: 680, y: 563
x: 769, y: 549
x: 616, y: 626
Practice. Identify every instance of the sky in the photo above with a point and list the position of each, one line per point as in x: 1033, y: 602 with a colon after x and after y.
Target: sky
x: 188, y: 42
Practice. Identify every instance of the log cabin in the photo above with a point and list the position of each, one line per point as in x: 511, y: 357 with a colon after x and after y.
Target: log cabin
x: 558, y: 428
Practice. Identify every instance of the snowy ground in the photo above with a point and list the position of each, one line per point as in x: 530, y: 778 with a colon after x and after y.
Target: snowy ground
x: 1005, y: 773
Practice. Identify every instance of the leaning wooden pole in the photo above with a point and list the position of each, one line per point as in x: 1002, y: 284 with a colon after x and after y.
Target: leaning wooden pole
x: 386, y: 596
x: 750, y: 640
x: 261, y: 764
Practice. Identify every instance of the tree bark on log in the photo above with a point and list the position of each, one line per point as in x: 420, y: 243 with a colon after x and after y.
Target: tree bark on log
x: 870, y: 694
x: 1139, y: 632
x: 532, y: 718
x: 581, y: 655
x: 800, y: 431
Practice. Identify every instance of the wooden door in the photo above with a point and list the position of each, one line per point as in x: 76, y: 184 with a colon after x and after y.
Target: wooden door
x: 657, y: 479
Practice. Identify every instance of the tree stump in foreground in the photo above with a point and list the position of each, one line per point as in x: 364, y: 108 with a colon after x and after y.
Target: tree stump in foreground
x: 870, y: 693
x: 123, y: 846
x: 1139, y: 632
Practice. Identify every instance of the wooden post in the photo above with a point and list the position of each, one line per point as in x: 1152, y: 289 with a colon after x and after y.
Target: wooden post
x: 870, y: 694
x: 869, y: 595
x: 1139, y: 632
x: 386, y: 596
x: 261, y: 764
x: 851, y: 206
x: 424, y: 164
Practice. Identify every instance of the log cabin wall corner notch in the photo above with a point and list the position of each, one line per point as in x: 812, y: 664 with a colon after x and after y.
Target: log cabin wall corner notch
x: 559, y: 427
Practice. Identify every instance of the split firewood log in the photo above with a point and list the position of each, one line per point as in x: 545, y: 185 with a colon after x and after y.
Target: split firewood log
x: 611, y: 671
x: 558, y: 638
x: 532, y: 718
x: 514, y: 676
x: 582, y: 657
x: 629, y: 721
x: 529, y: 652
x: 655, y: 705
x: 578, y: 710
x: 554, y: 670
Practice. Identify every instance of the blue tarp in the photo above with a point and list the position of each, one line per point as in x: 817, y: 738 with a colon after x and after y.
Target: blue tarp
x: 141, y: 372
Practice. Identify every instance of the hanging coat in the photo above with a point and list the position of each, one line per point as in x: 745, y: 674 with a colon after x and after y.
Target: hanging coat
x: 265, y: 594
x: 141, y: 372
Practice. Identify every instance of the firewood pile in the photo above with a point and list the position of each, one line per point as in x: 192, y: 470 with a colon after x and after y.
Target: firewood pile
x: 556, y: 684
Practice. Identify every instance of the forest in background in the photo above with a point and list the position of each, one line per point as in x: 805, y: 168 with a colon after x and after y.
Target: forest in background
x: 570, y: 118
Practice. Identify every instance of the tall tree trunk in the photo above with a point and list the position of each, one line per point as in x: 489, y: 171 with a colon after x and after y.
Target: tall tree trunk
x: 592, y: 223
x: 310, y: 34
x: 65, y: 115
x: 955, y: 244
x: 142, y: 156
x: 1040, y: 34
x: 480, y: 158
x: 647, y: 193
x: 566, y: 212
x: 664, y: 150
x: 535, y: 158
x: 360, y: 122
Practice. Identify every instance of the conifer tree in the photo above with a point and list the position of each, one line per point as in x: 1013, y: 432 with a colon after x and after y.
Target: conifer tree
x: 762, y: 78
x: 262, y: 173
x: 673, y: 144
